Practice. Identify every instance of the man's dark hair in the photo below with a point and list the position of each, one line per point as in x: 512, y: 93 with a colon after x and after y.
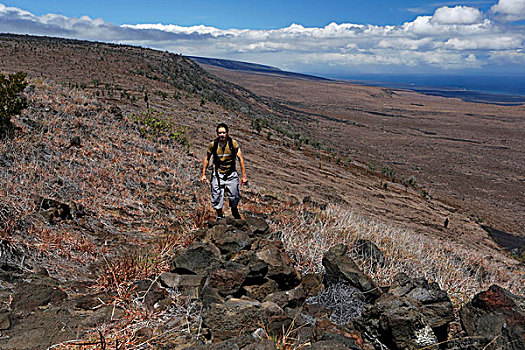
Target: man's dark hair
x: 222, y: 125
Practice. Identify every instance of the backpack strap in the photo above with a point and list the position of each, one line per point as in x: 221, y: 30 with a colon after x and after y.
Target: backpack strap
x: 234, y: 151
x: 233, y: 155
x: 216, y: 160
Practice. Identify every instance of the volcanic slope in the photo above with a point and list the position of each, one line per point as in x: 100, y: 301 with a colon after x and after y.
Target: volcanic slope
x: 287, y: 150
x: 470, y: 155
x: 105, y: 163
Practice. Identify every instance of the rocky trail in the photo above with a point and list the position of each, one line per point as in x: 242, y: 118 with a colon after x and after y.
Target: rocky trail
x: 235, y: 287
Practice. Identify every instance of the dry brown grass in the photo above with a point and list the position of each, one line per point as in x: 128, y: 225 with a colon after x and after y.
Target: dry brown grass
x: 129, y: 187
x: 461, y: 271
x: 137, y: 195
x: 140, y: 192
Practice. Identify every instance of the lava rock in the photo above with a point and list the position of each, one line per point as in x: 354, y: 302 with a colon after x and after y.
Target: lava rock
x: 230, y: 239
x: 257, y: 268
x: 234, y: 317
x: 229, y: 278
x: 436, y: 305
x: 340, y: 267
x: 291, y: 298
x: 312, y: 283
x: 260, y: 291
x: 149, y: 292
x: 495, y: 316
x: 30, y: 296
x: 188, y: 285
x: 197, y: 259
x: 280, y: 265
x: 257, y: 224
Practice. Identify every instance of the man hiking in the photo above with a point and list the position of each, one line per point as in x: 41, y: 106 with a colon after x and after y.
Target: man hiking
x: 225, y: 151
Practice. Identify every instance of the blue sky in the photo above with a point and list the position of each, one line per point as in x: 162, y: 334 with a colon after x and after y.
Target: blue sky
x: 325, y: 37
x: 258, y: 14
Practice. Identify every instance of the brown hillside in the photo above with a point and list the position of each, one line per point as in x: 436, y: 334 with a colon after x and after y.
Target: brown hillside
x: 470, y: 155
x: 355, y: 131
x: 98, y: 192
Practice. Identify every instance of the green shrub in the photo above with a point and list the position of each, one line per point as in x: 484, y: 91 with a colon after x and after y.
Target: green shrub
x: 256, y: 124
x: 388, y: 172
x: 154, y: 125
x: 11, y: 102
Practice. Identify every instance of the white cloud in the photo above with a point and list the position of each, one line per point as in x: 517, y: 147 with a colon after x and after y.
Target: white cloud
x: 513, y: 57
x: 509, y: 10
x: 452, y: 38
x: 200, y: 29
x: 457, y: 15
x: 488, y: 42
x: 404, y: 43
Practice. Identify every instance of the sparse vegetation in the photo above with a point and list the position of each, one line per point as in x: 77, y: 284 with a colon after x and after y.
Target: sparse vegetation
x: 11, y: 100
x: 461, y: 271
x: 388, y: 172
x: 141, y: 200
x: 257, y: 125
x: 155, y: 125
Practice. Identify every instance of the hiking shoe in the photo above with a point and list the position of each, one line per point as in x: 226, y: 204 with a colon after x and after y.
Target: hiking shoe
x: 235, y: 213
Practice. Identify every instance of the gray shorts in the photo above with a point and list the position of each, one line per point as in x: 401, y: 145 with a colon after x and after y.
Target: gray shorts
x: 230, y: 185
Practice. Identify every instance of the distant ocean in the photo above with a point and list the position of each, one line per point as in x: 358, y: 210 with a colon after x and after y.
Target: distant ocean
x: 507, y: 90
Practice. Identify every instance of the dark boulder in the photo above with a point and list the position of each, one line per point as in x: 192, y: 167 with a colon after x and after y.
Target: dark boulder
x: 340, y: 267
x: 435, y: 303
x: 312, y: 283
x: 257, y: 224
x: 197, y: 259
x: 328, y: 336
x: 290, y: 298
x: 210, y: 296
x: 257, y: 268
x: 260, y: 291
x: 149, y: 293
x: 397, y: 323
x: 188, y: 285
x: 230, y: 239
x: 495, y: 317
x: 29, y: 296
x: 228, y: 279
x: 235, y: 317
x: 280, y: 266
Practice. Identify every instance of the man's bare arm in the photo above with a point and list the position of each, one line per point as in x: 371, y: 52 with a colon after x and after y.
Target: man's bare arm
x: 205, y: 163
x: 244, y: 179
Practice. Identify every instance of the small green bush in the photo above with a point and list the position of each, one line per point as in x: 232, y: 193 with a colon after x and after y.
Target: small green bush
x: 11, y: 102
x: 155, y: 125
x: 388, y: 172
